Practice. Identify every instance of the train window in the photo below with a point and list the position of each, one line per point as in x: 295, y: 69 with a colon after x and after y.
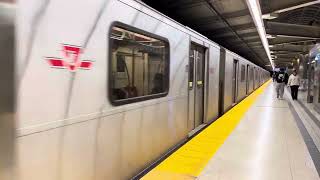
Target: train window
x: 139, y: 65
x: 191, y: 69
x: 243, y: 73
x: 200, y: 65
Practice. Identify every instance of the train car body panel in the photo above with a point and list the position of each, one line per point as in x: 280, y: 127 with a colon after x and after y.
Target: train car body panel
x: 242, y: 79
x: 213, y: 84
x: 76, y: 107
x: 67, y: 119
x: 228, y: 77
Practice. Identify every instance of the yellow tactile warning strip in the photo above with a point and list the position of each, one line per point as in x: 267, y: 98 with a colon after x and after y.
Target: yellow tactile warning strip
x: 190, y: 159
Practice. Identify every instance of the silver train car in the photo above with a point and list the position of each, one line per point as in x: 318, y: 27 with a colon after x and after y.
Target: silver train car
x: 106, y: 87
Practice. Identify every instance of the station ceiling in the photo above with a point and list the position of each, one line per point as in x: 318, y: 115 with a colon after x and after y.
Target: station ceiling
x: 227, y: 22
x: 293, y: 24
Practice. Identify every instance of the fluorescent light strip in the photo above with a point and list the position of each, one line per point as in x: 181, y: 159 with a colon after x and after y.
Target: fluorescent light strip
x: 301, y: 37
x: 270, y: 16
x: 256, y: 14
x: 298, y: 6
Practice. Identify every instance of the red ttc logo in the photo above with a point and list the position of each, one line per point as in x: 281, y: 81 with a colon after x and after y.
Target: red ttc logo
x: 71, y: 59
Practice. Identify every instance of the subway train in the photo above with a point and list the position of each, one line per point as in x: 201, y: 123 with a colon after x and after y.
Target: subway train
x: 104, y: 88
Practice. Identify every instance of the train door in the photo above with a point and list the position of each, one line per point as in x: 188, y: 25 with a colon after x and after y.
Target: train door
x: 247, y: 79
x: 196, y: 84
x: 235, y: 81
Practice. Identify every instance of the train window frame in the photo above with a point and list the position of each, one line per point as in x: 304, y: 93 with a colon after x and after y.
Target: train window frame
x: 109, y: 62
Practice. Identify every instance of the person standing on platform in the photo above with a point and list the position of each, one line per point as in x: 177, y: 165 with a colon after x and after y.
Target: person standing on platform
x: 294, y: 83
x: 280, y: 83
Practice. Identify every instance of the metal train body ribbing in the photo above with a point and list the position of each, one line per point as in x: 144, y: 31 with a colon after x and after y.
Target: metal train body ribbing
x: 66, y: 126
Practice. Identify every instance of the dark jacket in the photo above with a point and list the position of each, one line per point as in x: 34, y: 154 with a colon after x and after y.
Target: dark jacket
x: 282, y: 77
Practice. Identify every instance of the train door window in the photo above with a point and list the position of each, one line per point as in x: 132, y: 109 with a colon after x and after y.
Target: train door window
x: 256, y: 75
x: 253, y: 77
x: 191, y: 68
x: 251, y: 74
x: 259, y: 77
x: 200, y: 66
x: 199, y: 93
x: 247, y: 79
x: 243, y: 73
x: 139, y: 65
x: 235, y: 81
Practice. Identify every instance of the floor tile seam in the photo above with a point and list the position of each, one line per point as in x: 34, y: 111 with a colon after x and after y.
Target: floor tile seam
x: 301, y: 114
x: 247, y: 117
x: 307, y: 140
x: 312, y: 117
x: 269, y: 107
x: 314, y: 112
x: 272, y: 107
x: 309, y: 126
x: 243, y: 107
x: 307, y: 122
x: 287, y: 147
x: 312, y: 127
x: 312, y: 133
x: 242, y: 119
x: 304, y: 101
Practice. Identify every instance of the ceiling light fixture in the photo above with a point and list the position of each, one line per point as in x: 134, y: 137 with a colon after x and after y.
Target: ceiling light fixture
x: 300, y: 37
x: 255, y: 12
x: 298, y: 6
x: 270, y: 16
x: 269, y: 36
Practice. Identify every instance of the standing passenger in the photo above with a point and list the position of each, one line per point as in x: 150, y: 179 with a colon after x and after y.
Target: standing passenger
x: 280, y: 80
x: 294, y: 83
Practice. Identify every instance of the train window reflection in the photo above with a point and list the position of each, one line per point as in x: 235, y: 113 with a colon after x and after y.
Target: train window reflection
x: 243, y: 73
x: 139, y: 65
x: 251, y: 73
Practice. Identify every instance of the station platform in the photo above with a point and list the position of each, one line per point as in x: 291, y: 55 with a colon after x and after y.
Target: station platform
x: 261, y: 138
